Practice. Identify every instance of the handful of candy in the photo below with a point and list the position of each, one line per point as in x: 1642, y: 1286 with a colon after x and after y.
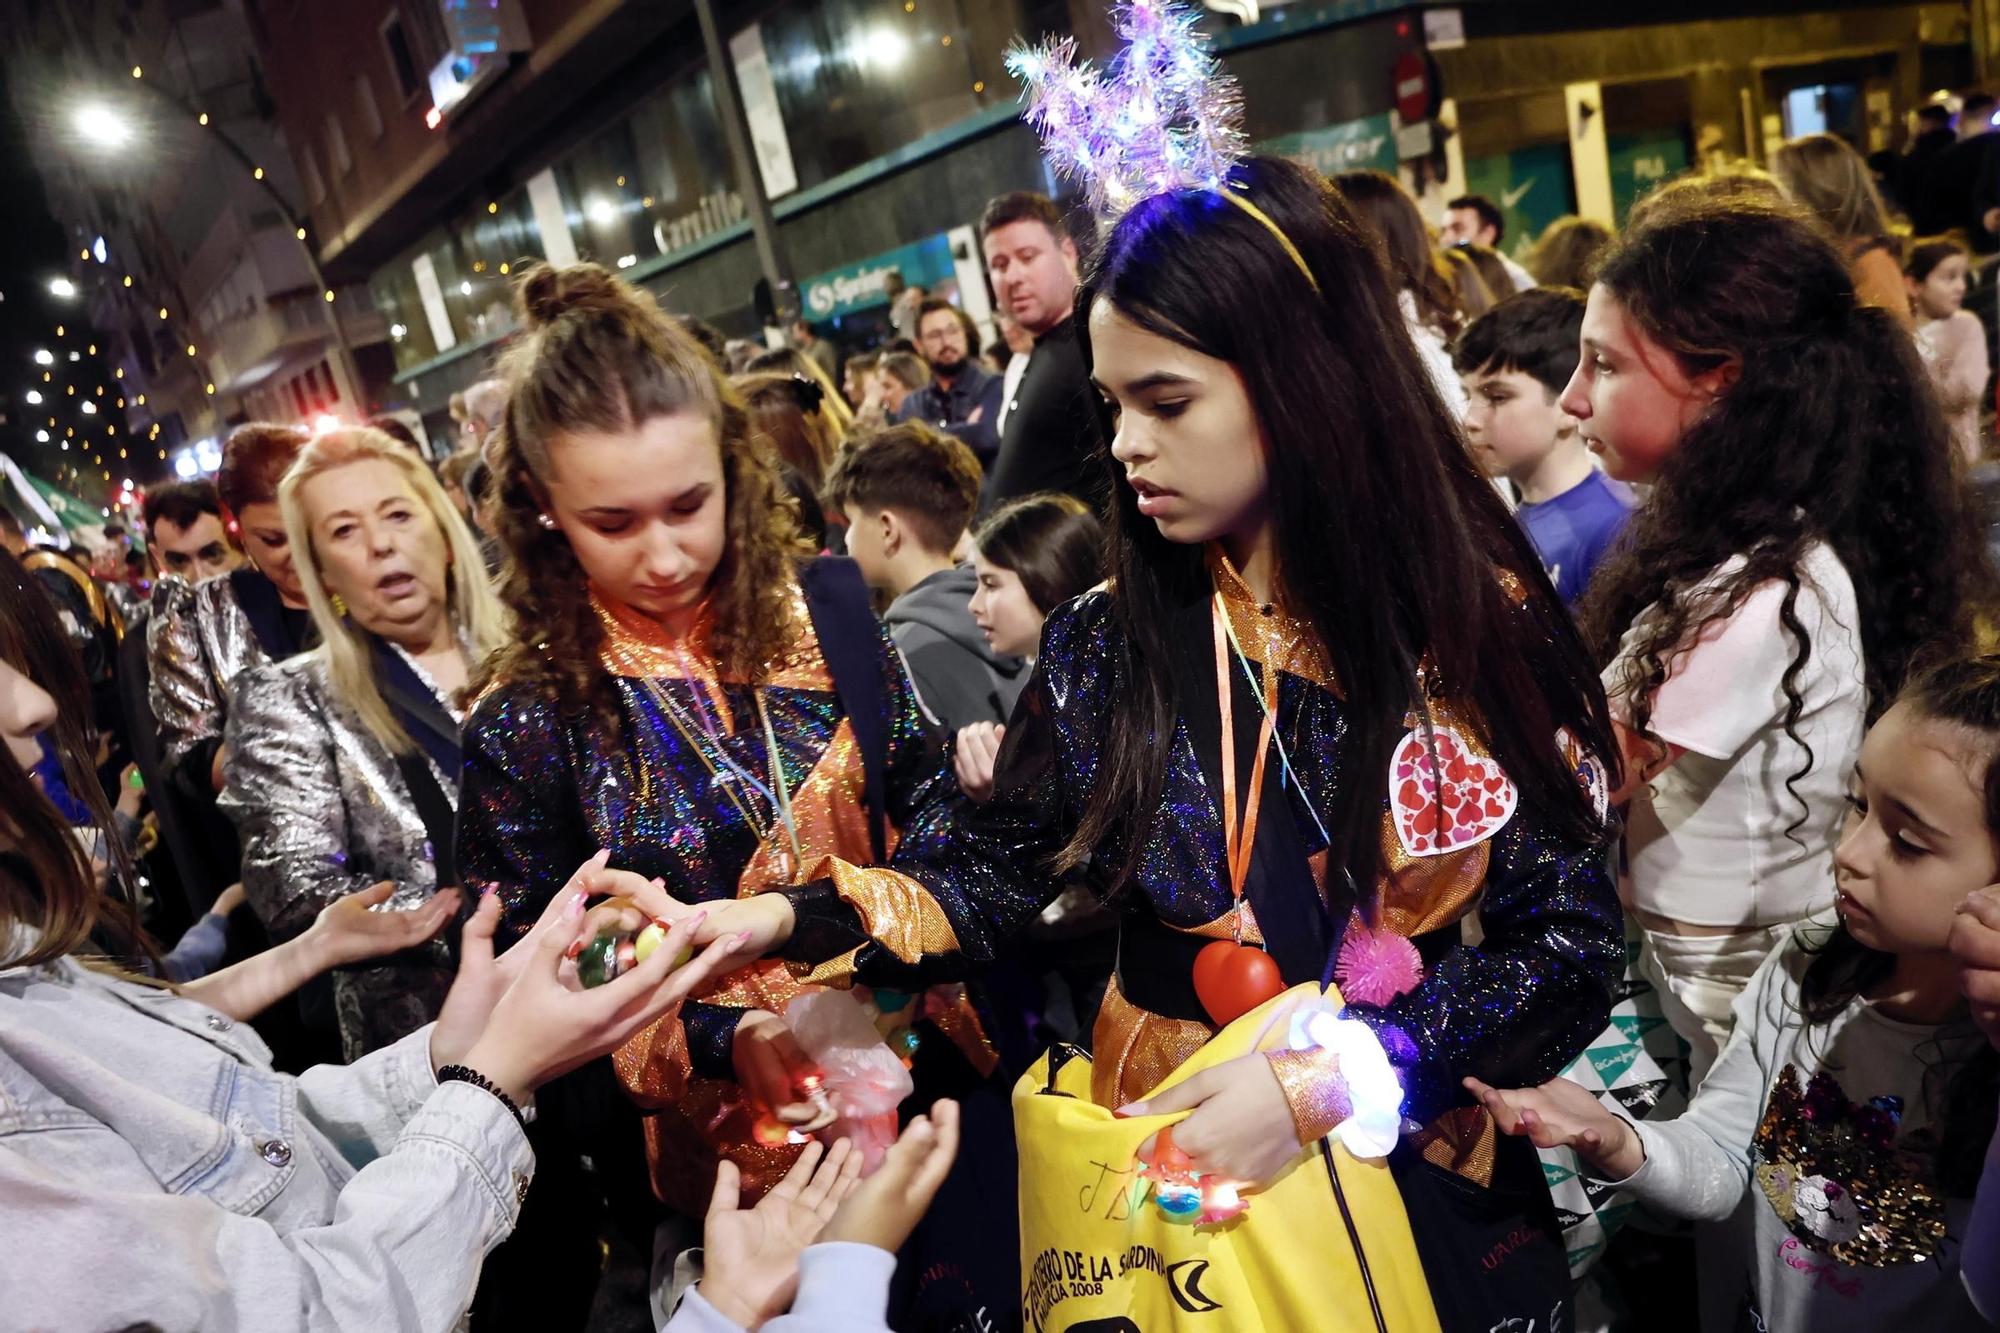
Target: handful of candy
x: 1181, y: 1193
x: 615, y: 952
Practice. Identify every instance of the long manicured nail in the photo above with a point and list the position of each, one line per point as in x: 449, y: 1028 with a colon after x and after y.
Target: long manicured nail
x: 742, y: 938
x: 575, y: 948
x: 1131, y: 1108
x: 577, y: 902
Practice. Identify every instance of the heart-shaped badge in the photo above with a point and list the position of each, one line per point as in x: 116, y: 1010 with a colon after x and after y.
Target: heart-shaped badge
x: 1462, y: 801
x: 1232, y: 979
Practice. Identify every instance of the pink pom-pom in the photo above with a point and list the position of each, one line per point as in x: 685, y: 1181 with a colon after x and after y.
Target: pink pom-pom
x: 1376, y: 966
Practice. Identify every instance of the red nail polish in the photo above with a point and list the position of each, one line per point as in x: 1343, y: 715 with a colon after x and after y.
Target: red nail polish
x: 575, y: 948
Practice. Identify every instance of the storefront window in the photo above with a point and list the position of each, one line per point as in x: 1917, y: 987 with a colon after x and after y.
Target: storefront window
x: 461, y: 275
x: 857, y: 79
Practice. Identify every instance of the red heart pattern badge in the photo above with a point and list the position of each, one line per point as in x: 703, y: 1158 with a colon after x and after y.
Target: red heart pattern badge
x: 1463, y: 801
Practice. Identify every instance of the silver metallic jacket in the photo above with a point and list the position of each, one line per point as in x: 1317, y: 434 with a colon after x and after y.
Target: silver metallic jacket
x: 198, y: 641
x: 323, y: 811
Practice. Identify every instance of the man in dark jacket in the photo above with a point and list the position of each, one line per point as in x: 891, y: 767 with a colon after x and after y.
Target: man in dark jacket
x: 1048, y: 431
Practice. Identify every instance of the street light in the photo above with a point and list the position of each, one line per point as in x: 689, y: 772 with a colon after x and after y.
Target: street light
x: 62, y: 287
x: 102, y: 126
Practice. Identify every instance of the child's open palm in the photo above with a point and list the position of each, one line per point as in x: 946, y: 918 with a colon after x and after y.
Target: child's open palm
x: 750, y: 1256
x: 1561, y: 1114
x: 887, y: 1206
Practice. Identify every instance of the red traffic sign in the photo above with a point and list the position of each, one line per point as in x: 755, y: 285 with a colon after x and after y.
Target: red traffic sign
x: 1416, y: 91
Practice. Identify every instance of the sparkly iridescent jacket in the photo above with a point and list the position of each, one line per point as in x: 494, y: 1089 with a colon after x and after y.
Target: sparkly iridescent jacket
x: 199, y: 640
x: 542, y: 792
x: 323, y: 811
x: 1512, y: 1008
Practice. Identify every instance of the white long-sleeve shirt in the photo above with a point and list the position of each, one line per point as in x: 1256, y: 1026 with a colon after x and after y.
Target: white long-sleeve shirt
x: 1818, y: 1231
x: 843, y: 1288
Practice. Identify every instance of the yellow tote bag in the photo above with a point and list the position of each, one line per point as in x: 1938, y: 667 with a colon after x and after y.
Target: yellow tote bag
x: 1098, y: 1257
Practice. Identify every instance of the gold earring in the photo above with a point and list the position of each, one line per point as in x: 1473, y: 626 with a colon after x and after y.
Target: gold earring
x: 339, y: 607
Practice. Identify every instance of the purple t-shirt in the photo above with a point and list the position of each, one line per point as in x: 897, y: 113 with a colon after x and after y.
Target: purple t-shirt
x: 1572, y: 532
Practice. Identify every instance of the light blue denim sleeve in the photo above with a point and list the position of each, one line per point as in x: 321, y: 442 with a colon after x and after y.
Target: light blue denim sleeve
x: 364, y: 1106
x: 199, y: 950
x: 401, y: 1250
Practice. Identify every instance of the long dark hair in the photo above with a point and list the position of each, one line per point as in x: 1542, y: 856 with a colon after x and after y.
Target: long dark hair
x: 1389, y: 541
x: 1415, y: 266
x: 1964, y: 693
x: 45, y: 882
x: 1052, y: 542
x: 1830, y: 433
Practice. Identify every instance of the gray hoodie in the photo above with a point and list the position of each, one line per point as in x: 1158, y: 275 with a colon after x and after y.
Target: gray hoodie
x: 960, y: 679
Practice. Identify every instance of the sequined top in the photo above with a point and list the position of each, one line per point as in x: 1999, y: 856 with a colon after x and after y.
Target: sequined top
x: 542, y: 792
x: 1812, y: 1148
x: 1513, y: 1008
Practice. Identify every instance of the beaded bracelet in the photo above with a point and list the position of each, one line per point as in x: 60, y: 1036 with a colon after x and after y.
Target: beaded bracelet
x: 467, y: 1074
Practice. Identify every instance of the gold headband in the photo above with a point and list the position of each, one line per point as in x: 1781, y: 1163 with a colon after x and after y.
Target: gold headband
x: 1272, y: 227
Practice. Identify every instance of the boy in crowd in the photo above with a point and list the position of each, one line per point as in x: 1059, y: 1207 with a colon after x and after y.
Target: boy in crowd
x: 907, y: 493
x: 1515, y: 360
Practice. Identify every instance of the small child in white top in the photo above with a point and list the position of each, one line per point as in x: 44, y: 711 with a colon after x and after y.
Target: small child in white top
x: 1838, y: 1141
x: 1950, y: 337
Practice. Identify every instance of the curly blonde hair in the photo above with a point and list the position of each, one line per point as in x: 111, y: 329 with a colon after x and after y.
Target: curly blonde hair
x: 599, y: 355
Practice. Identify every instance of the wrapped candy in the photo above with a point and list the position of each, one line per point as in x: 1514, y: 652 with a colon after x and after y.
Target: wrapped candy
x: 615, y: 952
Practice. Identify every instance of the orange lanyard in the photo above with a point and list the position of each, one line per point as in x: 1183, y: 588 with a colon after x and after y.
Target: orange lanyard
x: 1239, y: 832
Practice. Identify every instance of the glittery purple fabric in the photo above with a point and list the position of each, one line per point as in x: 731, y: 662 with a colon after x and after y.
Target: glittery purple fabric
x: 542, y: 793
x: 1512, y: 1010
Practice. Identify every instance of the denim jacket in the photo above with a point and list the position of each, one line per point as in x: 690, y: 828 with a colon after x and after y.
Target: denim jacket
x: 154, y: 1168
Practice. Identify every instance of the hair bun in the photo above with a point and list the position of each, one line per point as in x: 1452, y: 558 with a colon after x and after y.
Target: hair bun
x: 544, y: 293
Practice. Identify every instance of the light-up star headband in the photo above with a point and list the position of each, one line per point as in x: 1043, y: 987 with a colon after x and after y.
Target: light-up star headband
x: 1162, y: 117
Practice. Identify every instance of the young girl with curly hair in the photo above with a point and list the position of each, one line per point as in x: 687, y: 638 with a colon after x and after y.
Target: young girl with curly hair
x: 1803, y: 541
x: 693, y: 691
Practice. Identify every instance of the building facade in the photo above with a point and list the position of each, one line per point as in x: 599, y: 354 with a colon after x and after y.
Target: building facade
x: 436, y: 157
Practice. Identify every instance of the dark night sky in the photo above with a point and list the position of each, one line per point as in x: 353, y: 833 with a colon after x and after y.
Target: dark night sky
x: 33, y: 249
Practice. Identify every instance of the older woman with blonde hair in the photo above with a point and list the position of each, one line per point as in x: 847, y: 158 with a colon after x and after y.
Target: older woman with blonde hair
x: 344, y: 761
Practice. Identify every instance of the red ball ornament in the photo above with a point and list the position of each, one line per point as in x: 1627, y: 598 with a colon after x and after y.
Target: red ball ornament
x: 1232, y: 979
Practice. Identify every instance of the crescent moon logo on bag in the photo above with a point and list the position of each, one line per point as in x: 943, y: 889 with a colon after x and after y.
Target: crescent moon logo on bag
x: 1461, y: 800
x: 1184, y: 1281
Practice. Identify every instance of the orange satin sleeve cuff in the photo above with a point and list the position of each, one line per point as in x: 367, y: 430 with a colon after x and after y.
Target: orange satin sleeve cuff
x: 654, y: 1064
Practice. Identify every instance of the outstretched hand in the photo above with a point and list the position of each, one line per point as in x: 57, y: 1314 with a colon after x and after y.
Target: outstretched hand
x: 484, y: 979
x: 1562, y: 1114
x: 885, y: 1208
x: 350, y: 930
x: 751, y: 1255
